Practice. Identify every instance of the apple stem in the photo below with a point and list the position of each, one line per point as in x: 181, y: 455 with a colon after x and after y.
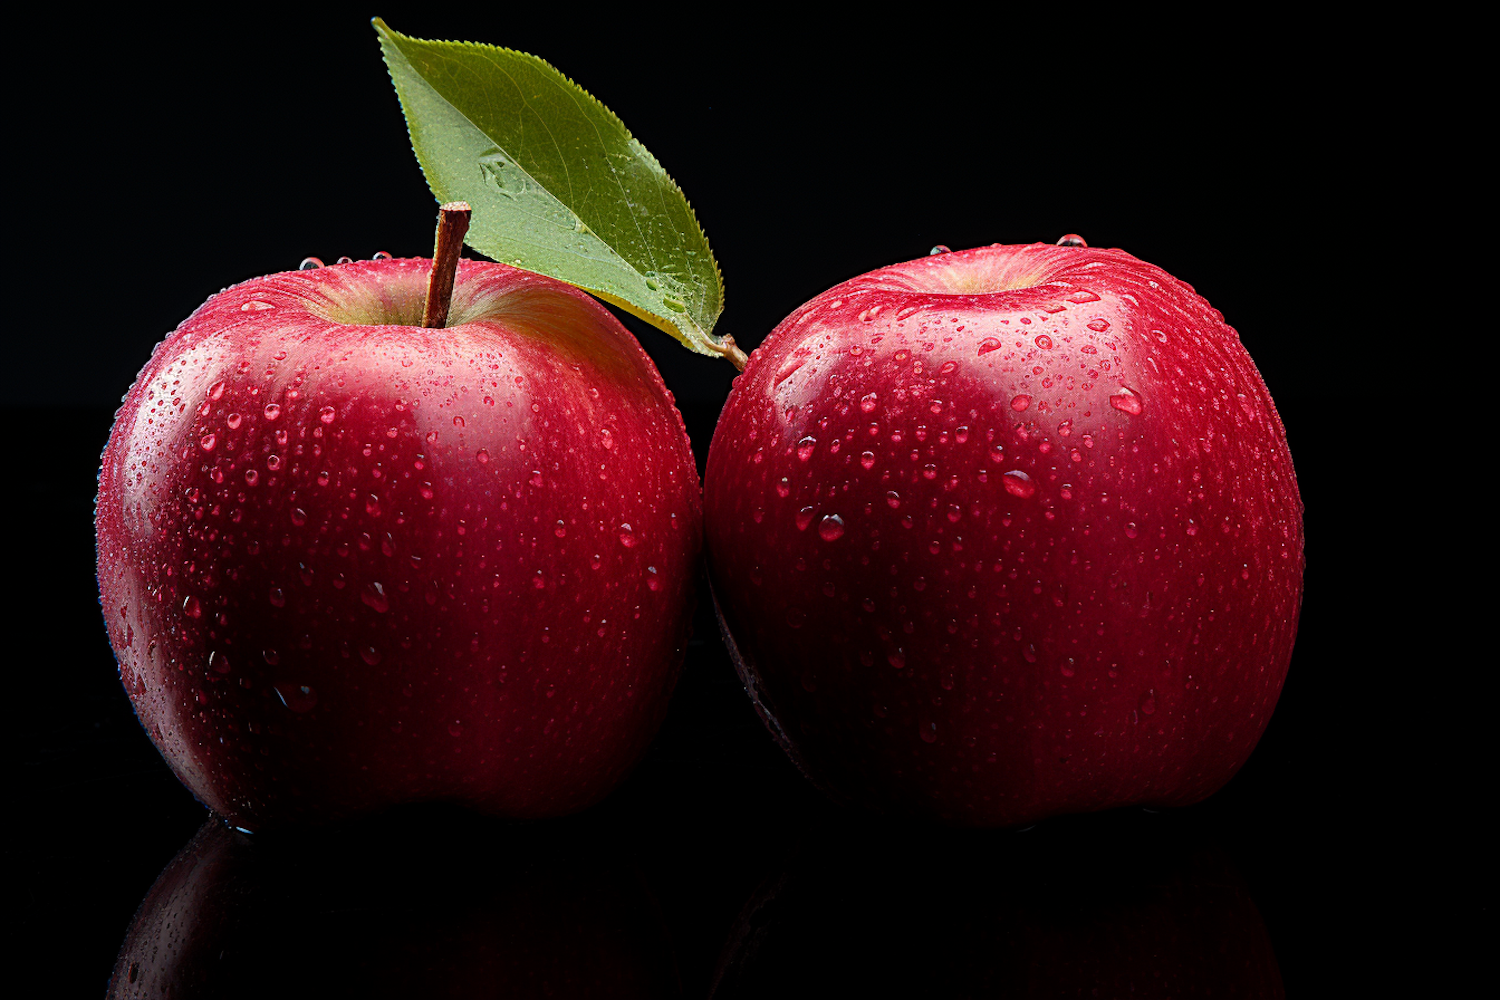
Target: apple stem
x: 729, y: 349
x: 453, y: 223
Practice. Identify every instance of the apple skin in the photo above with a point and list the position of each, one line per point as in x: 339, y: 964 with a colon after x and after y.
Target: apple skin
x: 347, y: 562
x: 1007, y: 533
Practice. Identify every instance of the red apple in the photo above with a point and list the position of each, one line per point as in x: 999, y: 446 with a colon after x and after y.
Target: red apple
x: 347, y: 561
x: 1007, y: 533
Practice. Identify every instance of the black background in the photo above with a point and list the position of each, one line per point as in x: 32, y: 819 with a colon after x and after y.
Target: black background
x: 166, y: 161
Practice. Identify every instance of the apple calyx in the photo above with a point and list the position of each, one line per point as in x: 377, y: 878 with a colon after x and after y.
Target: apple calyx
x: 448, y: 244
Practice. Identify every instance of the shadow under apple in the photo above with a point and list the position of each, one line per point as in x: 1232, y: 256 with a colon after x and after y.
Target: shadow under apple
x: 423, y: 904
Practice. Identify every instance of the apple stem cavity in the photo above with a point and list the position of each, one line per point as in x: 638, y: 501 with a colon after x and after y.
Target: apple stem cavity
x: 453, y: 223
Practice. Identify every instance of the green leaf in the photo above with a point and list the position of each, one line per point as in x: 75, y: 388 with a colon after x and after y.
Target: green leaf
x: 556, y: 182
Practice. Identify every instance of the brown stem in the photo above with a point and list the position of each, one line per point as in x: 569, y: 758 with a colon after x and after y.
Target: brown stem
x: 729, y: 349
x: 453, y: 223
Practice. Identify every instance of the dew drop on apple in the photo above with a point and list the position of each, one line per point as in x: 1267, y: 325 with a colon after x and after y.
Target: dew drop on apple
x: 455, y: 728
x: 805, y: 447
x: 783, y: 487
x: 989, y: 344
x: 1127, y: 402
x: 277, y: 597
x: 831, y: 528
x: 272, y: 411
x: 1018, y: 483
x: 207, y: 442
x: 1130, y: 530
x: 299, y: 698
x: 867, y: 459
x: 1148, y: 703
x: 868, y: 402
x: 309, y: 264
x: 218, y: 662
x: 804, y: 518
x: 381, y: 255
x: 1098, y: 325
x: 892, y: 499
x: 482, y: 456
x: 299, y: 516
x: 627, y: 536
x: 192, y: 607
x: 1044, y: 342
x: 927, y: 729
x: 374, y: 596
x: 326, y: 414
x: 937, y: 250
x: 369, y: 654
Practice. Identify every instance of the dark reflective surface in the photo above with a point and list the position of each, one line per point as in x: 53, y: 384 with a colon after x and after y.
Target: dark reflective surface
x: 417, y: 904
x: 1126, y: 904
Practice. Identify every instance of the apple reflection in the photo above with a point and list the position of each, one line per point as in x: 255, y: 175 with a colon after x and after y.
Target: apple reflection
x: 1107, y: 906
x: 425, y: 906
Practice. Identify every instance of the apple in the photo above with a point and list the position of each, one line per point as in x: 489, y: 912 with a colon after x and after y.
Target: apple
x: 405, y: 909
x: 1006, y: 533
x: 347, y: 560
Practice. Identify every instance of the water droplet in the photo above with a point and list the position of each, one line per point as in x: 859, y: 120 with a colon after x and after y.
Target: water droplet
x: 369, y: 654
x: 1072, y: 240
x: 831, y: 528
x: 299, y: 698
x: 868, y: 401
x: 218, y: 662
x: 939, y: 249
x: 783, y: 488
x: 272, y: 411
x: 1018, y: 483
x: 896, y: 658
x: 273, y: 462
x: 309, y: 264
x: 805, y: 447
x: 381, y: 255
x: 1098, y: 325
x: 375, y: 597
x: 299, y: 516
x: 277, y: 597
x: 372, y: 505
x: 1044, y: 342
x: 1148, y: 703
x: 989, y: 344
x: 867, y: 459
x: 482, y: 457
x: 254, y: 305
x: 927, y: 729
x: 893, y: 499
x: 804, y: 518
x: 795, y: 617
x: 251, y: 477
x: 1130, y: 530
x: 326, y: 414
x: 627, y: 536
x: 1126, y: 401
x: 455, y: 728
x: 207, y: 442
